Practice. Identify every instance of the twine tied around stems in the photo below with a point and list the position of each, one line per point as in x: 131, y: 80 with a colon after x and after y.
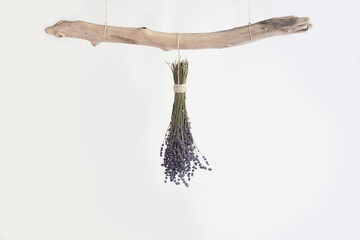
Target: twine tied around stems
x: 180, y: 88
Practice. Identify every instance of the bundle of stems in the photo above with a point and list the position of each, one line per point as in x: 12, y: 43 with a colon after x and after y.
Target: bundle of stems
x: 182, y: 156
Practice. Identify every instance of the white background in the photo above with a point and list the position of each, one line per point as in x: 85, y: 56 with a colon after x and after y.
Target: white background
x: 81, y: 127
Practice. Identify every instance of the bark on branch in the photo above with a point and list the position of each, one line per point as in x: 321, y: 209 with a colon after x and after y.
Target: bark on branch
x: 168, y: 41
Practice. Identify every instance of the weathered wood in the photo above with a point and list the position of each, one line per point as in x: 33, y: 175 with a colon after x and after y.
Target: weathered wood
x: 168, y: 41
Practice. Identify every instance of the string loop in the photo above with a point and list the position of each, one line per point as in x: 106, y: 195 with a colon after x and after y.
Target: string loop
x: 179, y: 88
x: 179, y: 57
x: 249, y: 24
x: 106, y: 21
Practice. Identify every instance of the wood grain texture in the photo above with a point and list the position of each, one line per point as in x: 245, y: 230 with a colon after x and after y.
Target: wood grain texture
x: 168, y: 41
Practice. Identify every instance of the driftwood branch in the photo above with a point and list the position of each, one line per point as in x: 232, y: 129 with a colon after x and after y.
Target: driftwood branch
x: 168, y: 41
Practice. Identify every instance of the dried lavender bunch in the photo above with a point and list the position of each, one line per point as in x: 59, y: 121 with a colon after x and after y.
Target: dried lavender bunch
x: 181, y: 157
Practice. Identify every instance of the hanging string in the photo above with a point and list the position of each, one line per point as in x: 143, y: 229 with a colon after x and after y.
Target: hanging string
x: 106, y: 21
x: 250, y: 34
x: 179, y: 88
x: 179, y: 58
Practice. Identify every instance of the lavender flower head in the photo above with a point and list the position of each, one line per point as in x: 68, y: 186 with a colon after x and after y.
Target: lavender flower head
x: 181, y: 157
